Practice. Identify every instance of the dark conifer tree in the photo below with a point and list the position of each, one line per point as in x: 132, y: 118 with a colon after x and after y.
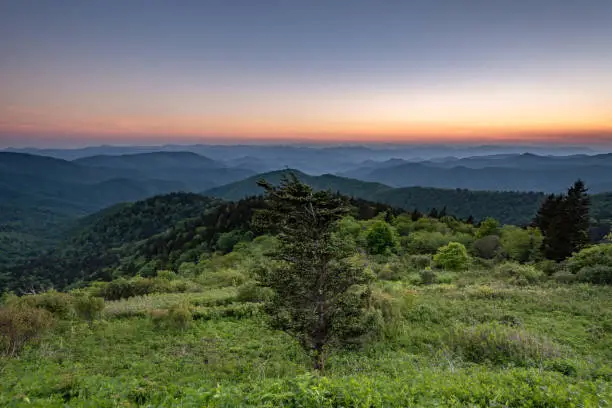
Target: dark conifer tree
x: 314, y: 281
x: 564, y: 222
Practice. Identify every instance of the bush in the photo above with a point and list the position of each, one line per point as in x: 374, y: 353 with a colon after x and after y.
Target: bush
x: 419, y: 262
x: 167, y: 275
x: 178, y: 317
x: 381, y: 238
x: 252, y: 292
x: 593, y: 264
x: 490, y: 226
x: 57, y: 303
x: 428, y: 276
x: 453, y: 257
x: 591, y: 256
x: 520, y: 274
x: 125, y: 288
x: 21, y: 324
x: 564, y: 277
x: 223, y: 277
x: 597, y: 274
x: 500, y: 344
x: 89, y: 308
x: 520, y: 244
x: 487, y: 247
x: 393, y: 304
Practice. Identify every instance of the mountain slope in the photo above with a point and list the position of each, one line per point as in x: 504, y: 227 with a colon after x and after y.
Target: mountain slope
x: 488, y: 178
x: 188, y: 170
x: 509, y: 207
x: 248, y: 187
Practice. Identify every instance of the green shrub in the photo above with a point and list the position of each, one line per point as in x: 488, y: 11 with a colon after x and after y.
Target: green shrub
x: 598, y: 274
x: 20, y: 325
x: 389, y: 271
x: 490, y: 226
x: 167, y: 275
x: 428, y: 276
x: 178, y: 317
x: 57, y: 303
x: 520, y: 244
x: 89, y: 308
x: 125, y: 288
x: 500, y: 344
x: 223, y: 277
x: 550, y: 267
x: 234, y: 310
x: 252, y: 292
x: 419, y: 262
x: 564, y: 277
x: 453, y: 257
x: 520, y: 274
x: 591, y: 256
x: 487, y: 247
x: 381, y: 238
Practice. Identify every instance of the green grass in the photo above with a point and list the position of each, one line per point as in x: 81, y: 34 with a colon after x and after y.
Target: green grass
x: 228, y: 357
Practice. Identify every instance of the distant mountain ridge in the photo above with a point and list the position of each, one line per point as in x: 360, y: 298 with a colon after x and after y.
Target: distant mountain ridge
x: 508, y: 207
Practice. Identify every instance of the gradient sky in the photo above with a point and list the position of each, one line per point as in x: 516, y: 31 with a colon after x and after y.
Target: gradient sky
x: 76, y: 72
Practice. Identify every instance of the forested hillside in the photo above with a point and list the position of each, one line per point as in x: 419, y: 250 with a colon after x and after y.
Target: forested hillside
x: 183, y: 300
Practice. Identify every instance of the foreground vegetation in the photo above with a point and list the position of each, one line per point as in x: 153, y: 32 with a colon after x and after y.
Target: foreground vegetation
x: 410, y: 311
x: 495, y: 334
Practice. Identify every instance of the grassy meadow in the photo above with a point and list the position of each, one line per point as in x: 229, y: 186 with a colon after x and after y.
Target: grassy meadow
x: 492, y: 333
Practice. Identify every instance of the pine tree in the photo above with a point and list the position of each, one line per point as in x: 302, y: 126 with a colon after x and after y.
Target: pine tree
x: 564, y: 222
x: 316, y: 300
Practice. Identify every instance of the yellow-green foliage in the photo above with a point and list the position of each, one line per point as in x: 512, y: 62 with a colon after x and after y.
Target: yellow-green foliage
x: 57, y: 303
x: 520, y: 274
x: 453, y: 257
x: 592, y: 264
x: 222, y: 277
x: 393, y: 302
x: 252, y: 292
x: 521, y: 244
x: 21, y: 324
x: 178, y: 317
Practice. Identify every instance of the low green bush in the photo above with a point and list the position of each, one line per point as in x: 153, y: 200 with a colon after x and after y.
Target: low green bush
x: 487, y: 247
x: 20, y: 325
x: 597, y: 274
x: 57, y: 303
x: 252, y: 292
x: 126, y: 288
x: 591, y: 256
x: 520, y: 274
x: 419, y: 262
x: 167, y: 275
x: 453, y: 257
x: 498, y: 344
x: 223, y: 277
x: 177, y: 317
x: 428, y: 276
x: 89, y: 308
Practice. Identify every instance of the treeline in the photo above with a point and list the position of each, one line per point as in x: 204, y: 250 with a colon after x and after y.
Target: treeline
x: 158, y: 233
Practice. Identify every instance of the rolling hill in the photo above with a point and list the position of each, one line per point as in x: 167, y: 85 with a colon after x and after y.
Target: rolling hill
x: 510, y: 207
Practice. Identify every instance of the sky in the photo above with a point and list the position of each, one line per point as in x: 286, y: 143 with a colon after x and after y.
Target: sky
x: 76, y: 72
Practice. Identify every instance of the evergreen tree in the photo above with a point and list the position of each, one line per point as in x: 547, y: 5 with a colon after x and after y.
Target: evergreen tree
x: 316, y: 299
x: 564, y: 222
x: 416, y: 214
